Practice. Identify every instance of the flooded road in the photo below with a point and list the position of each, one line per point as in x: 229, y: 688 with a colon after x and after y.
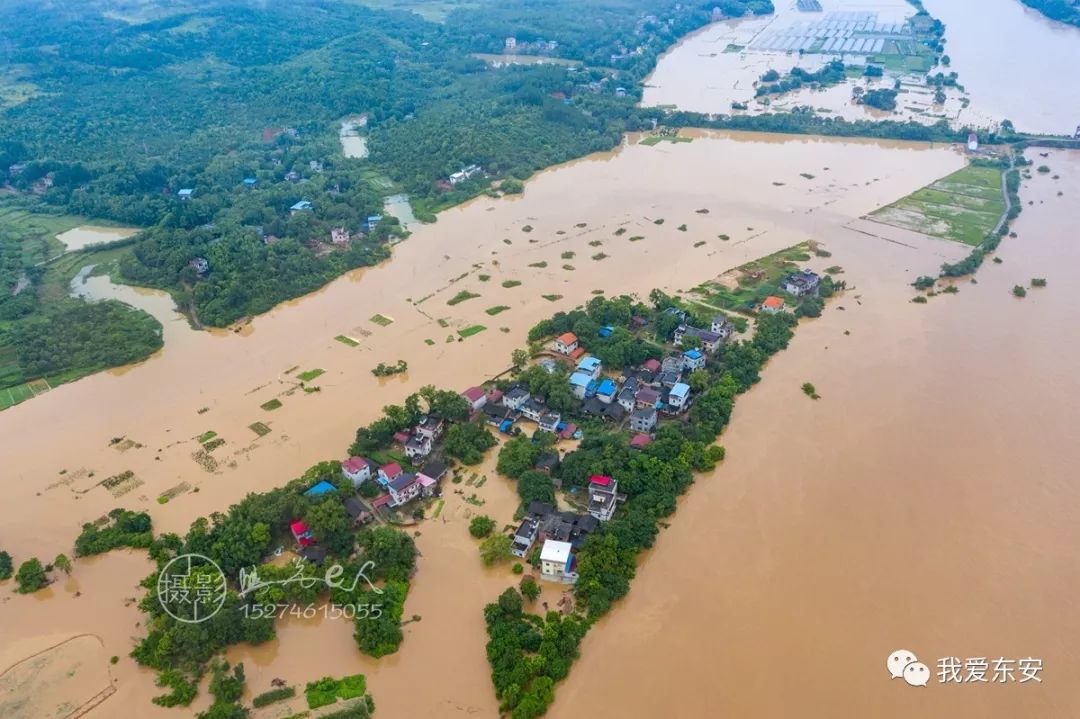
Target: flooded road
x: 557, y: 239
x: 925, y: 502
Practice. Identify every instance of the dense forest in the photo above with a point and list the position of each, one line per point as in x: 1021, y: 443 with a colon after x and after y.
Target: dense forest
x: 238, y: 104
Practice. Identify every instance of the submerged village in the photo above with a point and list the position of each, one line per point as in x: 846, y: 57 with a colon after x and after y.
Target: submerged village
x: 634, y: 399
x: 410, y: 466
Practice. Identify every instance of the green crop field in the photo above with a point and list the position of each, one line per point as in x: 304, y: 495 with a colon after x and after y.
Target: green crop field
x: 963, y: 207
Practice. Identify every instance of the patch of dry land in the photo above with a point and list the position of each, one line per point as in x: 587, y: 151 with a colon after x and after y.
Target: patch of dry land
x: 204, y: 381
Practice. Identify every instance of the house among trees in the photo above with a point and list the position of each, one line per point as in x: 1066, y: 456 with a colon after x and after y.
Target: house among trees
x: 301, y: 206
x: 389, y: 472
x: 358, y: 469
x: 679, y: 397
x: 709, y: 340
x: 301, y: 533
x: 693, y: 359
x: 525, y: 536
x: 418, y: 446
x: 590, y: 366
x: 515, y: 397
x: 201, y: 266
x: 403, y: 488
x: 557, y: 562
x: 476, y: 397
x: 340, y: 236
x: 802, y: 283
x: 566, y: 343
x: 772, y: 304
x: 186, y: 193
x: 603, y: 496
x: 643, y: 420
x: 464, y: 174
x: 721, y: 326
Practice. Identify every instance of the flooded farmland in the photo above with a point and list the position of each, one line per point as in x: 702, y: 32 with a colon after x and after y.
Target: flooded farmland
x: 756, y: 196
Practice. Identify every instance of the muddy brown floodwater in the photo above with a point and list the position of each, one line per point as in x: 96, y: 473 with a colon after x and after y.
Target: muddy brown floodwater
x: 755, y: 191
x: 927, y: 502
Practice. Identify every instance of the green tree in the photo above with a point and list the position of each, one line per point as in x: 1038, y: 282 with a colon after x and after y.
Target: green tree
x: 517, y: 456
x: 392, y: 551
x: 530, y: 588
x: 519, y: 358
x: 468, y: 442
x: 6, y: 566
x: 62, y: 563
x: 331, y: 525
x: 536, y: 486
x: 495, y: 548
x: 481, y: 526
x: 31, y: 576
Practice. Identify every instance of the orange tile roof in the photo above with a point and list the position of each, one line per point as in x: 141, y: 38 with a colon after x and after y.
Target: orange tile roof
x: 773, y: 302
x: 568, y: 338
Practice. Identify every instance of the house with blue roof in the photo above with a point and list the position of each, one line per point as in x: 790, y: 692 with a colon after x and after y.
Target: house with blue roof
x: 590, y: 366
x: 250, y: 181
x: 693, y: 359
x: 606, y: 391
x: 301, y: 206
x: 606, y: 331
x: 581, y: 383
x: 679, y: 397
x: 320, y: 489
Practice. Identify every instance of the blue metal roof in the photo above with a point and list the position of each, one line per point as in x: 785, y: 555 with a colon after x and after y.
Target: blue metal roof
x: 693, y: 354
x: 606, y: 331
x: 589, y: 364
x: 321, y: 488
x: 680, y: 390
x: 606, y: 387
x: 580, y: 379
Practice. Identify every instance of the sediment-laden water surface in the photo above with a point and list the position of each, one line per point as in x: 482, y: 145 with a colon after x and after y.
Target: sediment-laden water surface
x: 925, y: 502
x: 763, y: 193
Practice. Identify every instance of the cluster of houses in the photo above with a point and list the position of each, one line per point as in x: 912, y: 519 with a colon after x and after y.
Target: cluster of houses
x: 798, y: 284
x: 561, y: 534
x: 513, y: 45
x: 400, y: 487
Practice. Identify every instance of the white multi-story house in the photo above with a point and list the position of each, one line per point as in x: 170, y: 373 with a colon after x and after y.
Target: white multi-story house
x: 358, y: 469
x: 557, y: 562
x: 603, y: 495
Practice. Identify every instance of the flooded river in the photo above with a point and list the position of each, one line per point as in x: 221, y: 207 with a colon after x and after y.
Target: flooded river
x: 926, y: 502
x: 1009, y: 56
x: 763, y: 192
x: 997, y: 50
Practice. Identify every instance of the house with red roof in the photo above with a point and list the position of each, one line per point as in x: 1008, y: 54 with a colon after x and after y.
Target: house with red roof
x: 476, y: 397
x: 358, y: 469
x: 389, y: 472
x: 640, y: 441
x: 603, y: 496
x: 302, y: 533
x: 772, y: 304
x: 652, y: 365
x: 566, y: 343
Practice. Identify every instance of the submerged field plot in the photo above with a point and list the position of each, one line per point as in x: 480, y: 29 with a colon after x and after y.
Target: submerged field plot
x: 963, y: 206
